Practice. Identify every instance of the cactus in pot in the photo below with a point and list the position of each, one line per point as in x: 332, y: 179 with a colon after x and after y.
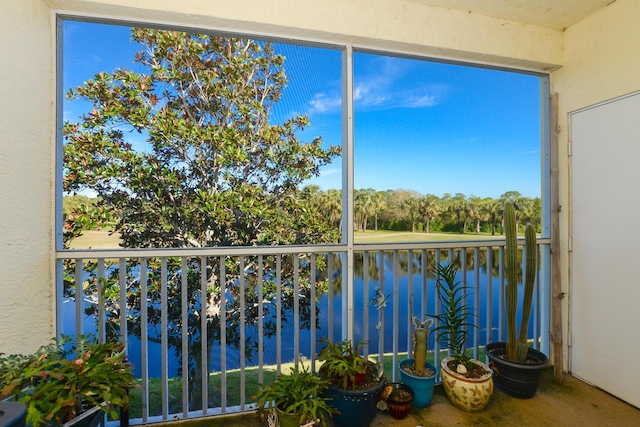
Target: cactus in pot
x: 417, y: 373
x: 420, y: 336
x: 517, y: 345
x: 517, y: 367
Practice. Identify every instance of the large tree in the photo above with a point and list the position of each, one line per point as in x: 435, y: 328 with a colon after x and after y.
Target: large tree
x: 215, y: 170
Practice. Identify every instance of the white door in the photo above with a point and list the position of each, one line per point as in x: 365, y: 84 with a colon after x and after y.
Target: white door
x: 605, y: 259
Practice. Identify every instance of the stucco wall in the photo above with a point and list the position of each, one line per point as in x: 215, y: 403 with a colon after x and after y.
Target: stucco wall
x: 27, y: 53
x: 26, y: 150
x: 601, y: 61
x: 389, y: 24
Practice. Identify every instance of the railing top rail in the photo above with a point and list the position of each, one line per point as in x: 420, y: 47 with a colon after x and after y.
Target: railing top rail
x: 196, y: 252
x: 449, y: 244
x: 274, y: 250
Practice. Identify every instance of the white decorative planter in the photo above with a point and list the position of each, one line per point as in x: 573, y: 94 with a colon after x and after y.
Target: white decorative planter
x: 469, y: 394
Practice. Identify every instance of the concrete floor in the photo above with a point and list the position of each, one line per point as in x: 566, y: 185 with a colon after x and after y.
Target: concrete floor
x: 574, y: 403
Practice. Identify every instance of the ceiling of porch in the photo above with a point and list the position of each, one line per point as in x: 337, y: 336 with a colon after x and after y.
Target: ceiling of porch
x: 545, y: 13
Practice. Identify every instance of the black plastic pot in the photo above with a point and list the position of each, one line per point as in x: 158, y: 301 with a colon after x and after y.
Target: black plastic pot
x: 517, y: 379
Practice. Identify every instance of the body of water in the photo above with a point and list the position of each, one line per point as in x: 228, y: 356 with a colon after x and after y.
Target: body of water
x: 408, y: 295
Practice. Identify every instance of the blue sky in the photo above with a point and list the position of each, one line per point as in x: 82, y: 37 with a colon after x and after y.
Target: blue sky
x: 425, y: 126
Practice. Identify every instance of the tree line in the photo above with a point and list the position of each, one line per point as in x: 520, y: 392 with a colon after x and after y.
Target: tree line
x: 404, y: 210
x: 408, y: 210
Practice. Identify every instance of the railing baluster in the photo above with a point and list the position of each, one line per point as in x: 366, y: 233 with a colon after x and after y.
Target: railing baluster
x: 278, y: 315
x: 223, y: 334
x: 296, y: 310
x: 144, y: 339
x: 535, y: 308
x: 489, y: 295
x: 330, y: 294
x: 204, y: 334
x: 425, y: 276
x: 184, y: 295
x: 78, y: 300
x: 409, y: 296
x: 102, y: 332
x: 163, y: 339
x: 396, y: 311
x: 381, y: 312
x: 242, y: 284
x: 476, y: 299
x: 260, y: 286
x: 463, y: 261
x: 123, y: 301
x: 365, y: 291
x: 501, y: 331
x: 312, y: 283
x: 436, y: 344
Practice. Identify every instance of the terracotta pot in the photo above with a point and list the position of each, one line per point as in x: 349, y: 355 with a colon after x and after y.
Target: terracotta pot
x: 398, y: 406
x: 469, y: 394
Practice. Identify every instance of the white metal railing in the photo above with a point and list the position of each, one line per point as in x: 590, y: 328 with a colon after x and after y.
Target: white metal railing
x: 262, y: 307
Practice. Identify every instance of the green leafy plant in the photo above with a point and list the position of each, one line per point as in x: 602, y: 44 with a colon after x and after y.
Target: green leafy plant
x: 453, y: 328
x: 67, y: 377
x: 342, y: 363
x: 517, y: 345
x: 297, y: 393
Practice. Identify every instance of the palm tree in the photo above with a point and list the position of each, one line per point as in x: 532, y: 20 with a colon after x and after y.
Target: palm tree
x: 492, y: 209
x: 364, y: 207
x: 379, y: 204
x: 332, y: 206
x: 430, y: 207
x: 411, y: 208
x: 458, y: 206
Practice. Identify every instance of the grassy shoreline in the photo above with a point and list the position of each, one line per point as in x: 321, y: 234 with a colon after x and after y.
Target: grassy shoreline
x: 102, y: 239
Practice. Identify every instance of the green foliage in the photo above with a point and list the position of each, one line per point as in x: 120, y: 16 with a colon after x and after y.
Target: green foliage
x: 517, y: 345
x: 215, y: 171
x: 453, y: 329
x: 342, y: 362
x: 298, y: 393
x: 61, y: 380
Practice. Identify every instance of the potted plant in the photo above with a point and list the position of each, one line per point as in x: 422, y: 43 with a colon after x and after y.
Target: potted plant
x: 397, y: 398
x: 296, y: 398
x: 355, y: 383
x: 517, y: 366
x: 467, y: 382
x: 417, y: 373
x: 62, y: 381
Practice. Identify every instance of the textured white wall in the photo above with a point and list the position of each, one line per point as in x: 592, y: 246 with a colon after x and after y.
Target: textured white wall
x: 26, y: 150
x: 27, y: 158
x: 389, y: 24
x: 596, y: 49
x: 601, y: 61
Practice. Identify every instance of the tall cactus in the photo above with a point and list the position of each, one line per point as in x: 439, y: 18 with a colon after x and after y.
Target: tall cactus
x: 517, y: 346
x: 420, y: 344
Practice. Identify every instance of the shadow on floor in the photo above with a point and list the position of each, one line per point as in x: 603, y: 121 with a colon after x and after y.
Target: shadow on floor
x: 573, y: 403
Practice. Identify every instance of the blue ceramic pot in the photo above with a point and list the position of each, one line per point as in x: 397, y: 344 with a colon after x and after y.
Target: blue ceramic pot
x: 421, y: 386
x: 357, y: 408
